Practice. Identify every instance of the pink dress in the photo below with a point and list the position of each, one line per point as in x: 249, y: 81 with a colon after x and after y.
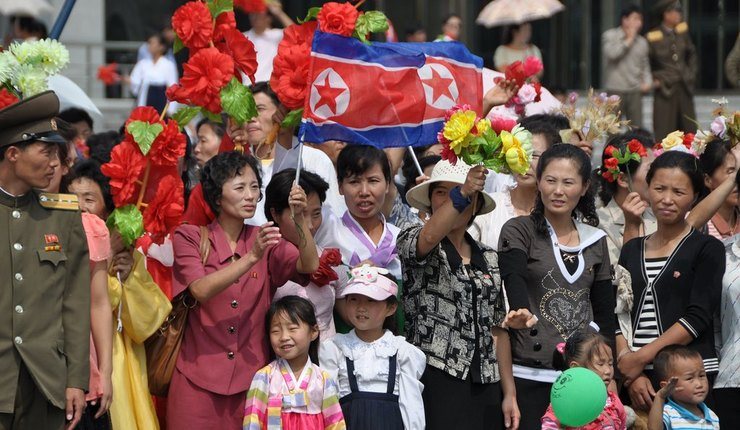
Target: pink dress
x: 98, y: 244
x: 613, y: 417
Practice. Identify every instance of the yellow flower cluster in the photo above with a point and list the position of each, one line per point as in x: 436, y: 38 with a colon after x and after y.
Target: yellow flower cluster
x: 673, y: 139
x: 457, y: 130
x: 517, y: 148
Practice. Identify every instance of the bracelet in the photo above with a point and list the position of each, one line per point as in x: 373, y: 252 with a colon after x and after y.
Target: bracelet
x: 459, y: 202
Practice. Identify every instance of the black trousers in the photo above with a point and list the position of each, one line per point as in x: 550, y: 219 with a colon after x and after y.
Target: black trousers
x: 32, y: 411
x: 727, y: 407
x: 533, y: 398
x: 451, y: 403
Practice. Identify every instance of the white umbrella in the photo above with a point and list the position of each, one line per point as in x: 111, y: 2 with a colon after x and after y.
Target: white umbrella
x: 25, y: 7
x: 507, y: 12
x: 71, y: 95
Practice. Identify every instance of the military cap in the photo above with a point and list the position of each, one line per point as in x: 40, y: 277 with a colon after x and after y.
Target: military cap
x: 30, y: 120
x: 664, y: 6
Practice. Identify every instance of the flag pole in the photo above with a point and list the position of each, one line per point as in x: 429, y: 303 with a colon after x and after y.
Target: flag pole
x: 416, y: 160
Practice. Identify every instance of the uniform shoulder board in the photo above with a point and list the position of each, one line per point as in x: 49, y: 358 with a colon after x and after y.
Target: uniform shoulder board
x: 654, y: 36
x: 682, y: 28
x: 67, y: 202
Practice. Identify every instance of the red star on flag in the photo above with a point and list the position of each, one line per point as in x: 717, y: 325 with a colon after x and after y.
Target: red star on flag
x: 328, y: 95
x: 440, y: 85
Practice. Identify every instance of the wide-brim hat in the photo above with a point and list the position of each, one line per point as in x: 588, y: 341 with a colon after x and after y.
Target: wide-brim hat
x: 31, y: 120
x: 444, y: 171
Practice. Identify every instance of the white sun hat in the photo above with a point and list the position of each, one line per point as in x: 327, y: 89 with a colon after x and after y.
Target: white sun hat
x: 444, y: 171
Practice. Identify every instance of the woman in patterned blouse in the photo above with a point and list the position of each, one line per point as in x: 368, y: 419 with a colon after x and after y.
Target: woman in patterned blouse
x: 455, y: 306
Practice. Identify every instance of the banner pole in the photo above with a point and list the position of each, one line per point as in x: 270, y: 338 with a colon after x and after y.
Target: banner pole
x: 416, y: 160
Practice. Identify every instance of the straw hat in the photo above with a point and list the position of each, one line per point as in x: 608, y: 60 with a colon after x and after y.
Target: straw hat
x: 444, y: 171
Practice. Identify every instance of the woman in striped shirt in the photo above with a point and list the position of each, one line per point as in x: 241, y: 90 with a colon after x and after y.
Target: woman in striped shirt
x: 676, y: 278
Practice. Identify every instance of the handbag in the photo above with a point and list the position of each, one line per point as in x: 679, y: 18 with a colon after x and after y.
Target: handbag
x: 163, y: 347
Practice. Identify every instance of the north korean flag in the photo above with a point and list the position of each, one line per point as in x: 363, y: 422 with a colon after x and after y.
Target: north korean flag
x: 386, y: 94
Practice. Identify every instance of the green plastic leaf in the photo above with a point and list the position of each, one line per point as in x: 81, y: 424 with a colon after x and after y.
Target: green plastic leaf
x: 312, y: 14
x: 292, y: 119
x: 144, y: 134
x: 238, y: 102
x: 211, y: 116
x: 377, y: 21
x: 217, y: 7
x: 177, y: 45
x: 473, y: 159
x: 185, y: 114
x: 128, y: 221
x: 362, y: 28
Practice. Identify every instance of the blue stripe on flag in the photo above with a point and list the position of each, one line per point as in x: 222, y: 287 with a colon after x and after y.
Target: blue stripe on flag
x: 385, y: 137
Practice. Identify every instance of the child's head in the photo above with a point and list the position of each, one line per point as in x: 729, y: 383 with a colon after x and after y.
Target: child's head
x: 364, y: 176
x: 686, y: 365
x: 371, y: 299
x: 585, y: 349
x: 292, y: 329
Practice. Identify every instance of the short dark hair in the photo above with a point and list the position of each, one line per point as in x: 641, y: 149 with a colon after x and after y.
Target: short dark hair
x: 278, y: 190
x: 413, y: 28
x: 66, y: 130
x: 73, y: 115
x: 90, y: 169
x: 663, y: 362
x: 629, y: 10
x: 714, y: 155
x: 687, y: 163
x: 450, y: 16
x: 264, y: 88
x: 101, y: 145
x: 298, y: 310
x: 220, y: 169
x: 219, y: 128
x: 357, y: 159
x: 546, y: 125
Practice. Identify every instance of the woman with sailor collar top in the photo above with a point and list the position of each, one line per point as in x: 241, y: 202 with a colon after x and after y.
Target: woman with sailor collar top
x: 555, y: 263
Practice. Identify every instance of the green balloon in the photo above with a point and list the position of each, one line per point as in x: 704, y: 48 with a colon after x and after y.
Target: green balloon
x: 578, y: 397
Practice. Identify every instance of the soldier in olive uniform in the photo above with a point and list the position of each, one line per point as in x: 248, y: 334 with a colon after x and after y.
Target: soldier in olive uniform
x: 45, y: 277
x: 674, y: 63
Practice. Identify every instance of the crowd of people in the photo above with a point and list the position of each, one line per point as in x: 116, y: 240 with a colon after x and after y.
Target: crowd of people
x: 377, y: 288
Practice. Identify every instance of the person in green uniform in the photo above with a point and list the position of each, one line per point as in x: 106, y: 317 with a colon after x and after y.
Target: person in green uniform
x: 45, y: 277
x: 674, y: 63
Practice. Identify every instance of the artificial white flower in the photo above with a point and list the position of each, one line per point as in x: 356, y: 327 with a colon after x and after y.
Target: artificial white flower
x: 51, y: 55
x: 8, y: 67
x: 30, y: 80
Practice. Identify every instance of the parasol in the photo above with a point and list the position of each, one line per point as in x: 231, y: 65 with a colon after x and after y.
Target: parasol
x: 508, y: 12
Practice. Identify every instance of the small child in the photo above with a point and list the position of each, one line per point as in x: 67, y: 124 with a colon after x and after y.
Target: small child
x: 277, y: 399
x: 589, y: 350
x: 679, y: 404
x: 378, y: 372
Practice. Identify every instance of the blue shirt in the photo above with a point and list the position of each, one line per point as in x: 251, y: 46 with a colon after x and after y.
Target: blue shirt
x: 676, y: 417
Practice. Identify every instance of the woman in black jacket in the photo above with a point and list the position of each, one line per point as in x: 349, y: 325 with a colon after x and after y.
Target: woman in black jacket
x: 676, y: 279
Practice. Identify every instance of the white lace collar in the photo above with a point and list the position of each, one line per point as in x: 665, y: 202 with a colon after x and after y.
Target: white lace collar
x: 353, y: 347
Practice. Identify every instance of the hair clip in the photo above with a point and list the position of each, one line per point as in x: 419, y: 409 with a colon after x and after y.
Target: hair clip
x: 560, y: 347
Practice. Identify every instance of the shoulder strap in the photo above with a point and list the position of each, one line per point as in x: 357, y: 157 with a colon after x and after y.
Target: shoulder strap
x: 205, y: 244
x: 392, y: 361
x: 351, y: 375
x: 67, y: 202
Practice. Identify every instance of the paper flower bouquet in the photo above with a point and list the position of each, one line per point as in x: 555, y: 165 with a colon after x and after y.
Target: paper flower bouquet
x: 25, y: 68
x: 500, y: 144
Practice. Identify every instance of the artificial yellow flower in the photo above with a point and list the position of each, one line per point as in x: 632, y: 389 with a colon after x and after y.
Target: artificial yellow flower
x: 457, y: 129
x: 483, y: 126
x: 517, y: 159
x: 673, y: 139
x: 509, y: 141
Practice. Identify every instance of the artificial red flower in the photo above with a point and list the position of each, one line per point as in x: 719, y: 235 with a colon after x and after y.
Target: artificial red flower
x: 636, y: 147
x: 205, y: 74
x: 330, y: 257
x: 532, y: 66
x: 164, y: 211
x: 608, y: 175
x: 225, y: 22
x: 609, y: 150
x: 688, y: 140
x: 538, y: 89
x: 241, y: 49
x: 168, y: 147
x: 193, y: 24
x: 251, y: 6
x: 7, y: 98
x: 125, y: 165
x: 338, y: 18
x: 611, y: 163
x: 449, y: 154
x: 145, y: 114
x: 500, y: 123
x: 81, y: 147
x: 108, y: 74
x: 442, y: 139
x: 291, y: 65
